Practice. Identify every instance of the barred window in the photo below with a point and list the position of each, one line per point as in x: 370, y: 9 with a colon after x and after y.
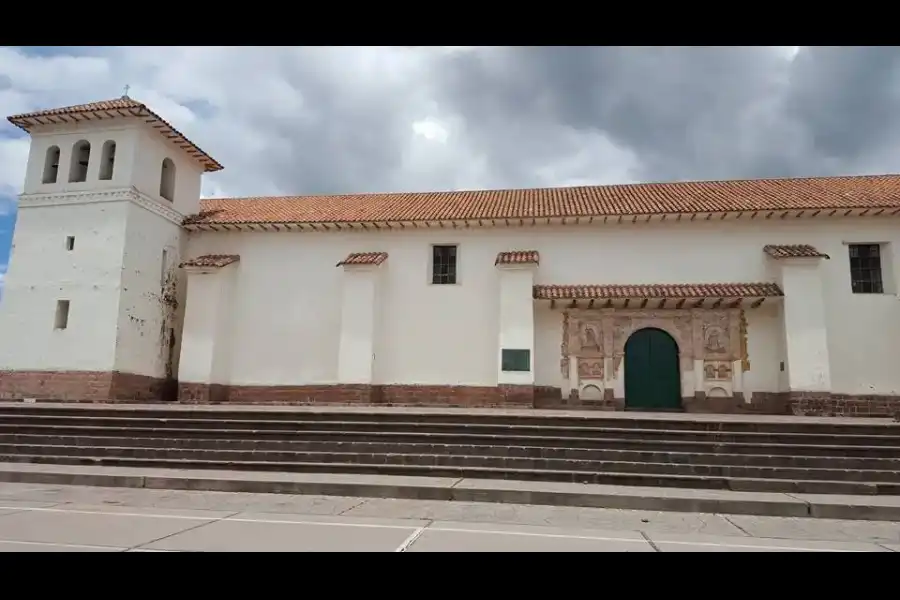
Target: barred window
x: 443, y: 265
x: 865, y: 269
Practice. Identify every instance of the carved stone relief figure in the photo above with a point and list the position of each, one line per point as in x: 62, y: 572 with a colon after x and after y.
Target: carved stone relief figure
x: 716, y: 336
x: 723, y: 371
x: 591, y: 338
x: 590, y: 368
x: 713, y: 340
x: 717, y: 370
x: 564, y: 347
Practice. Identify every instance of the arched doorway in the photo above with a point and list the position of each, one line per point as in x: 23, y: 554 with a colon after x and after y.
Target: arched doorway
x: 652, y: 374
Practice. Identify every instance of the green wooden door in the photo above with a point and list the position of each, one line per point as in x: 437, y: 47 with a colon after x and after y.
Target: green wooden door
x: 652, y: 378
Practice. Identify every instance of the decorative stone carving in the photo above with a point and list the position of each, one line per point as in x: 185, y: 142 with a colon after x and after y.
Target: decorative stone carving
x: 715, y: 335
x: 583, y: 335
x: 591, y: 338
x: 717, y: 370
x: 564, y: 347
x: 590, y: 368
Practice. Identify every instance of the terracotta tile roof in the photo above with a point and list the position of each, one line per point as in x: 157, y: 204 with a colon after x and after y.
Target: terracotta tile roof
x: 211, y: 260
x: 793, y: 251
x: 111, y: 109
x: 667, y: 291
x: 817, y: 193
x: 364, y: 258
x: 518, y: 257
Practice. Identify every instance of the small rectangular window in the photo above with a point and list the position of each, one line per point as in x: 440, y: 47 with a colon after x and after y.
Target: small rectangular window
x: 61, y: 320
x: 515, y: 360
x: 443, y: 265
x: 70, y: 243
x: 865, y: 269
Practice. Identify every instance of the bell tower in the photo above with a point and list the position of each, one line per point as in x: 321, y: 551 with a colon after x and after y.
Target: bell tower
x: 91, y: 307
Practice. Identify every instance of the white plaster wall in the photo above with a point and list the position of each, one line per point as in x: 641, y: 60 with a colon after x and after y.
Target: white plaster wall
x: 516, y: 319
x: 805, y: 326
x: 207, y: 320
x: 359, y: 306
x: 222, y: 353
x: 142, y: 341
x: 199, y: 333
x: 765, y: 347
x: 42, y: 271
x: 124, y: 132
x: 547, y: 341
x: 152, y: 148
x: 140, y: 151
x: 287, y: 302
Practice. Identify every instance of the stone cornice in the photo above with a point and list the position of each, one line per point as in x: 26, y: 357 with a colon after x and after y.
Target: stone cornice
x: 128, y: 194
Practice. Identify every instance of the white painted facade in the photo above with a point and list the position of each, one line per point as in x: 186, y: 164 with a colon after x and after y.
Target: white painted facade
x: 107, y: 246
x: 296, y: 319
x: 285, y: 315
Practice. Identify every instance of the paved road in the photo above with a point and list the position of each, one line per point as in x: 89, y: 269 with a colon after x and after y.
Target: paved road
x: 35, y: 518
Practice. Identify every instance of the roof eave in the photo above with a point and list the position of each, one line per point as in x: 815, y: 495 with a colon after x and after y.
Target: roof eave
x: 29, y: 121
x: 749, y: 215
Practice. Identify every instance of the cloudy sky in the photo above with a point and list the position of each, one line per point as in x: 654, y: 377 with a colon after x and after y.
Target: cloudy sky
x: 316, y: 120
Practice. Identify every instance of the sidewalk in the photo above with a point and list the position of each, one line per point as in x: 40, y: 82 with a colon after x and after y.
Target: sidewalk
x: 876, y: 508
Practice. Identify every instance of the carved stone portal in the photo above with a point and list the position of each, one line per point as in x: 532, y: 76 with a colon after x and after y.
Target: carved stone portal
x: 705, y: 334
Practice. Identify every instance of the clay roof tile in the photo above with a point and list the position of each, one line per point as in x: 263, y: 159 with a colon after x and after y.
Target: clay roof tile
x: 815, y: 193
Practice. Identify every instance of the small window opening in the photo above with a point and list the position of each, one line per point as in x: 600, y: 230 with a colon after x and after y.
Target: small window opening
x: 167, y: 179
x: 865, y: 269
x: 81, y: 157
x: 107, y: 160
x: 443, y: 265
x: 61, y: 320
x: 51, y: 165
x: 70, y: 243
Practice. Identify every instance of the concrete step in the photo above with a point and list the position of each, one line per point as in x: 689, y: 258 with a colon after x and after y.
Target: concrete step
x: 27, y: 424
x: 603, y: 478
x: 339, y: 425
x: 509, y: 440
x: 249, y: 446
x: 699, y: 468
x: 879, y: 508
x: 595, y: 420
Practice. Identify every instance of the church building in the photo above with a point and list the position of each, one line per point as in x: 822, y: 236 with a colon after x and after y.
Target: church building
x: 772, y: 296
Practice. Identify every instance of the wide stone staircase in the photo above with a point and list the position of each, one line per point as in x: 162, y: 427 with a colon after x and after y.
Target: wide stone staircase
x: 811, y: 457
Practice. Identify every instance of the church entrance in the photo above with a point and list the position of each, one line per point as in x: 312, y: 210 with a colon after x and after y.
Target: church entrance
x: 652, y: 374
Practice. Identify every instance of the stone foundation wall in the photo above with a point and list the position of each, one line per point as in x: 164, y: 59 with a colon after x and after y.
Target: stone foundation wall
x: 85, y: 386
x: 91, y: 386
x: 812, y: 404
x: 378, y: 395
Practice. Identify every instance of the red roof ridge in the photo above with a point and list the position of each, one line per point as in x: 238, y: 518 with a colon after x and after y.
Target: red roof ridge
x: 518, y: 257
x: 211, y: 260
x: 363, y: 258
x: 812, y: 195
x: 668, y: 291
x: 678, y: 182
x: 793, y: 251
